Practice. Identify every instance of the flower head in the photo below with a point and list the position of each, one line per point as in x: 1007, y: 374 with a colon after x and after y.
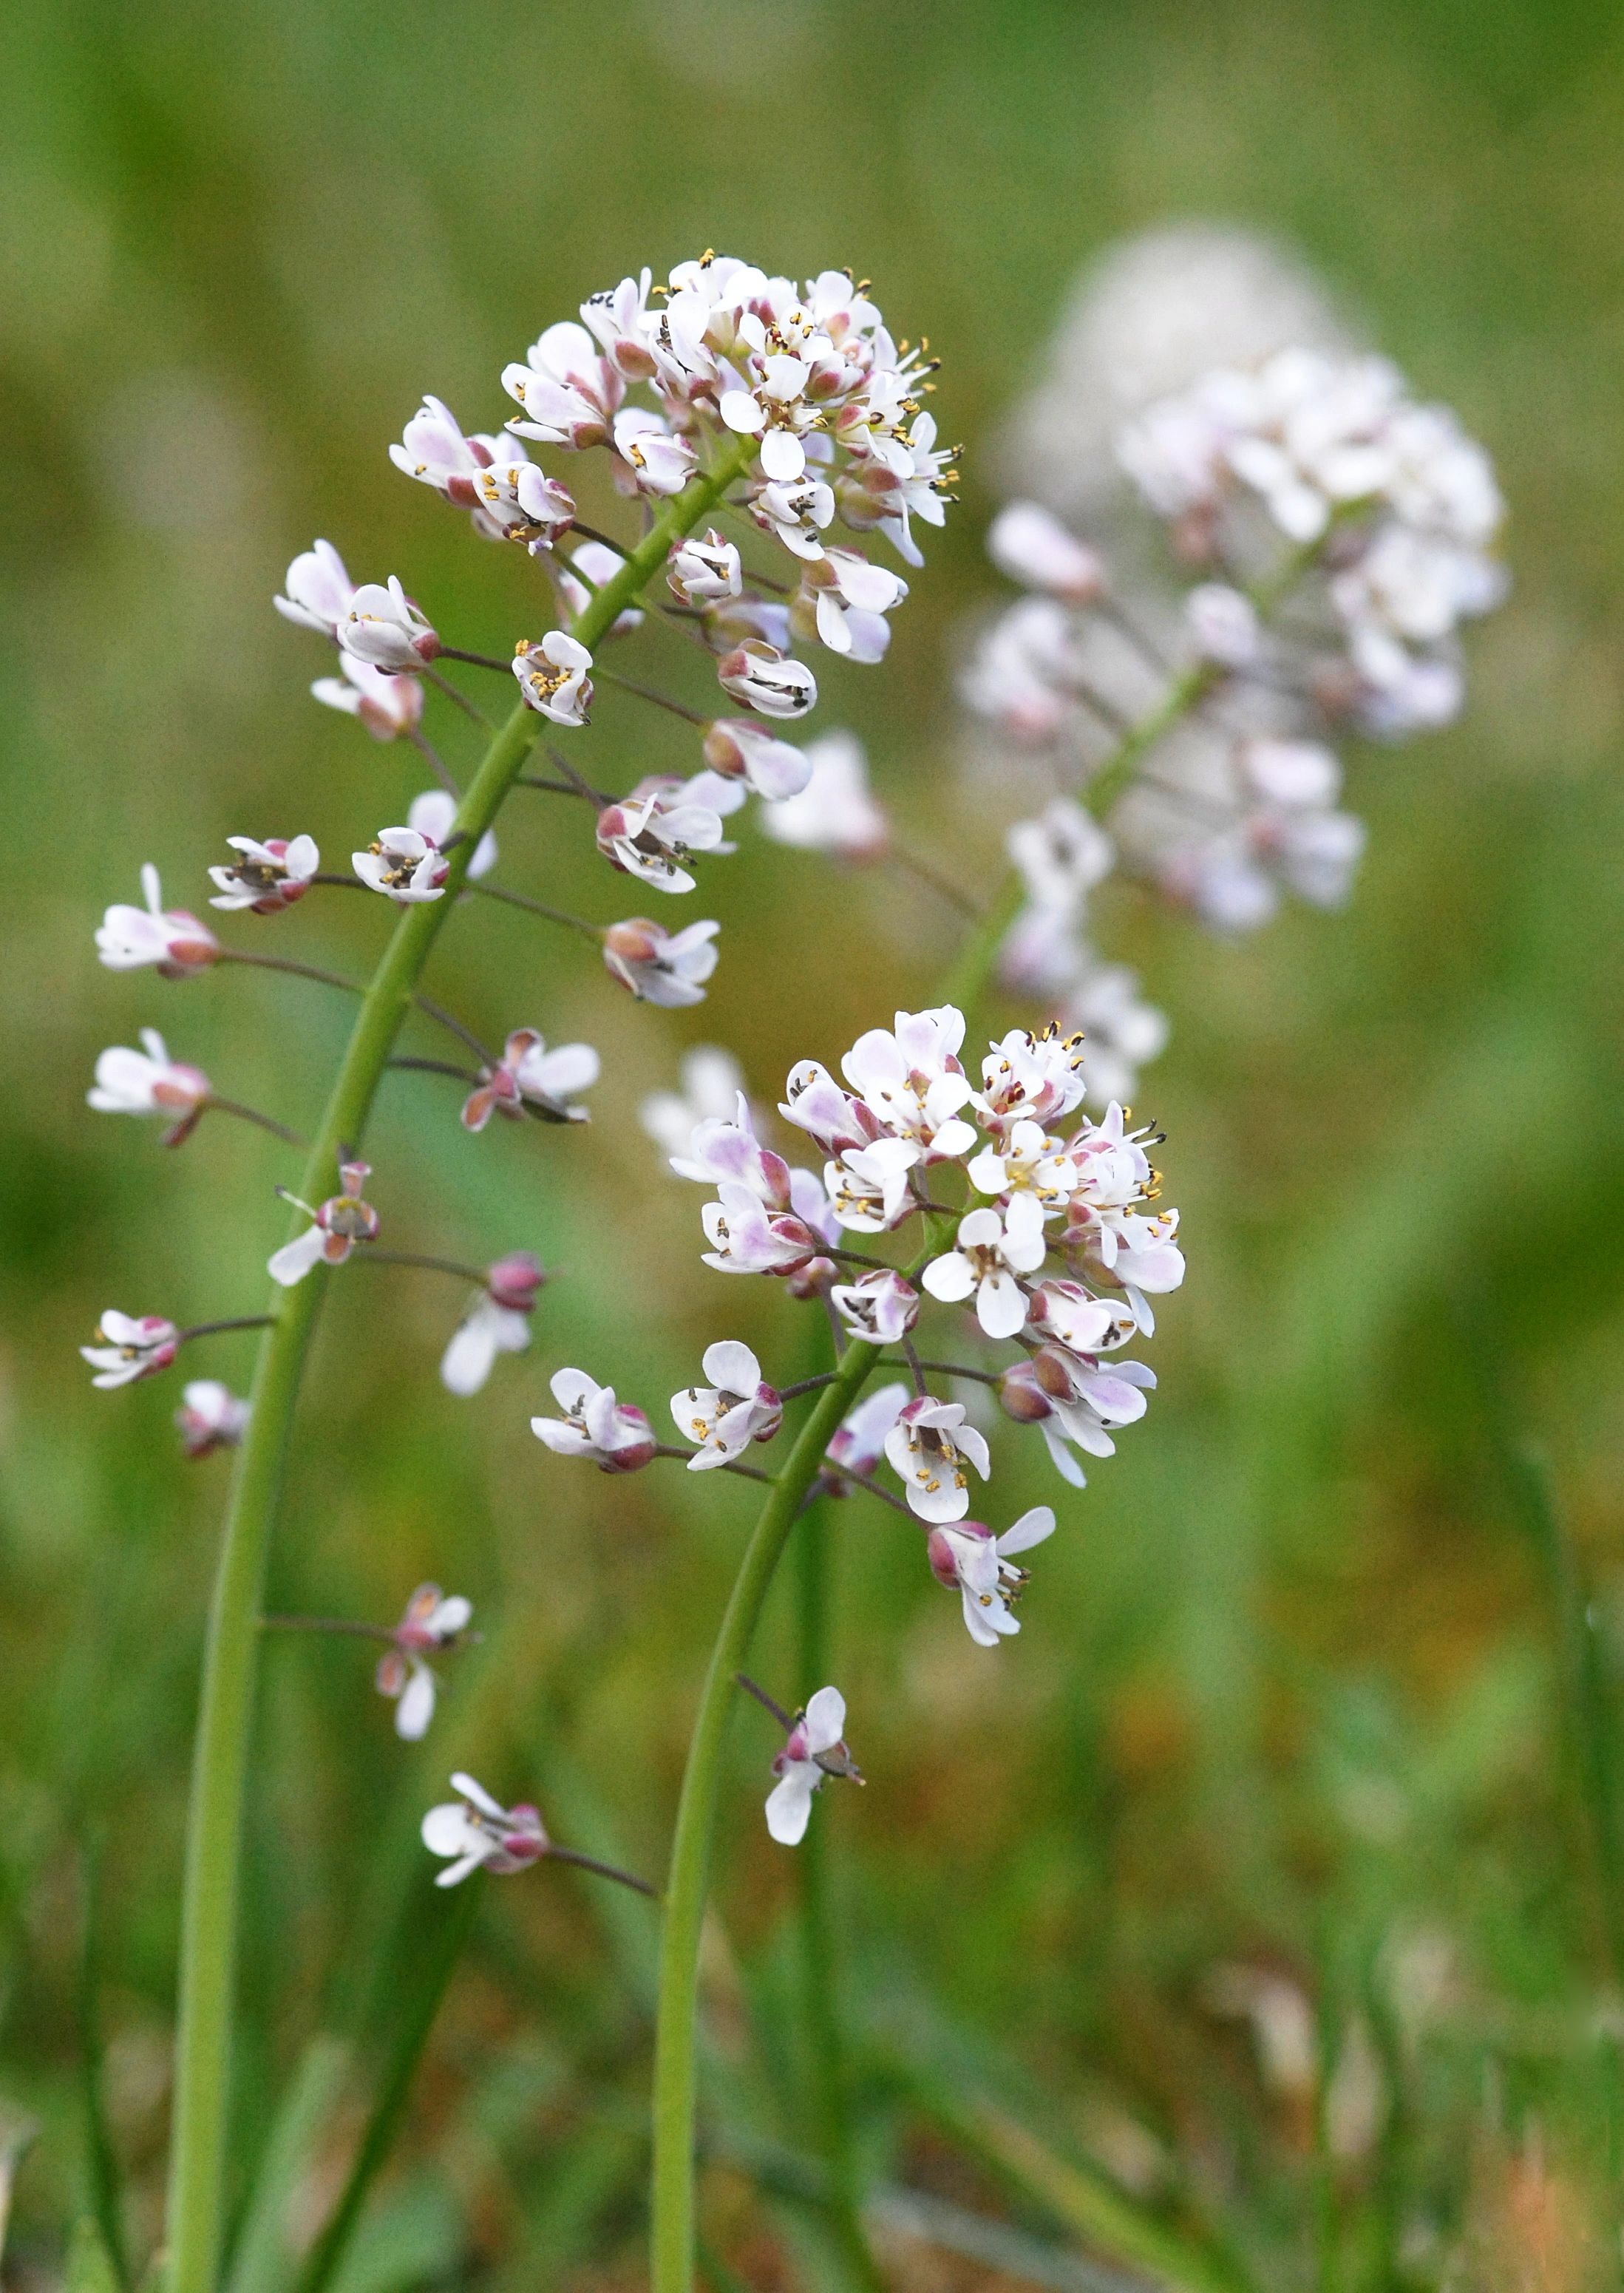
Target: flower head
x: 765, y: 680
x: 434, y: 1620
x: 171, y: 939
x: 210, y: 1417
x: 131, y: 1348
x: 929, y: 1447
x: 568, y: 389
x: 149, y: 1082
x: 746, y: 1237
x: 740, y: 751
x: 404, y: 864
x: 616, y: 1435
x: 912, y: 1079
x: 337, y: 1225
x: 815, y: 1749
x: 655, y: 830
x: 268, y: 876
x: 668, y: 969
x: 476, y: 1829
x: 553, y: 677
x: 880, y: 1306
x: 995, y: 1249
x: 385, y: 629
x: 704, y: 570
x: 971, y: 1560
x: 738, y: 1407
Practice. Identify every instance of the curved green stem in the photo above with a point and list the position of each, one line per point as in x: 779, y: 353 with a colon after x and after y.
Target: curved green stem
x: 209, y: 1911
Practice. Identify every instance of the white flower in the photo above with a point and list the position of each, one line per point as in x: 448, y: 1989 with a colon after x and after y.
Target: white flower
x: 868, y: 1185
x: 993, y: 1249
x: 432, y: 1620
x: 659, y: 966
x: 567, y: 389
x: 834, y: 812
x: 616, y: 1436
x: 858, y: 1443
x: 620, y: 318
x: 553, y: 677
x: 529, y: 1073
x: 507, y: 496
x: 704, y: 570
x: 1223, y: 624
x: 478, y: 1829
x: 131, y: 1348
x: 387, y: 706
x: 737, y: 1408
x: 912, y: 1079
x: 497, y: 1323
x: 740, y: 749
x: 1074, y: 1398
x: 815, y: 1749
x: 171, y: 939
x: 1061, y: 855
x: 516, y: 503
x: 843, y: 601
x: 268, y: 876
x: 712, y: 1080
x: 655, y: 830
x: 1033, y: 548
x: 795, y: 514
x: 319, y: 590
x: 724, y: 1150
x: 434, y: 815
x: 1028, y: 1161
x: 403, y: 865
x: 919, y: 475
x: 746, y: 1236
x: 774, y: 411
x: 879, y: 1305
x: 658, y: 462
x: 210, y: 1417
x: 337, y: 1225
x: 759, y: 675
x: 975, y: 1563
x: 929, y: 1447
x: 149, y: 1082
x: 1029, y: 1077
x: 385, y: 629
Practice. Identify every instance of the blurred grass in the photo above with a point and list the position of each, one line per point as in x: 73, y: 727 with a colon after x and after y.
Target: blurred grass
x: 1286, y: 1691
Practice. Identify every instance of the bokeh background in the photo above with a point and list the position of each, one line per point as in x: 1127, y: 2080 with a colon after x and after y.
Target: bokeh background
x: 1249, y: 1894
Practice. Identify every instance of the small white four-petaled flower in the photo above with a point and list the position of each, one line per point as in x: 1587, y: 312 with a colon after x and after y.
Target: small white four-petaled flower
x: 666, y: 969
x: 171, y: 939
x: 929, y: 1447
x: 149, y: 1082
x: 432, y: 1620
x: 477, y: 1829
x: 815, y: 1749
x: 969, y: 1559
x: 268, y: 876
x: 738, y: 1407
x: 404, y: 864
x: 529, y: 1074
x: 132, y: 1347
x: 497, y: 1322
x: 616, y: 1435
x: 553, y: 677
x: 337, y: 1225
x: 996, y: 1247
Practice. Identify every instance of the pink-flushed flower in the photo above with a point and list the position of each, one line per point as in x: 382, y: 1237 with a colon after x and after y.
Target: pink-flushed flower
x: 434, y: 815
x: 868, y: 1185
x: 815, y: 1103
x: 1032, y: 547
x: 619, y: 317
x: 506, y: 495
x: 908, y: 478
x: 404, y: 865
x: 516, y: 503
x: 746, y: 1237
x: 553, y: 677
x: 210, y: 1417
x: 616, y: 1435
x: 704, y: 570
x: 130, y: 1347
x: 387, y: 706
x: 739, y: 749
x: 817, y: 1748
x: 171, y: 939
x: 971, y: 1561
x: 1027, y: 1078
x: 1223, y: 625
x: 337, y: 1225
x: 268, y: 876
x: 929, y: 1447
x: 497, y: 1323
x: 795, y: 514
x: 879, y: 1305
x: 712, y: 1080
x: 858, y: 1443
x: 912, y: 1079
x: 569, y: 390
x: 434, y: 1620
x: 996, y: 1248
x: 652, y: 459
x: 1072, y: 1317
x: 843, y: 601
x: 1075, y: 1399
x: 666, y: 969
x: 738, y: 1407
x: 834, y: 812
x: 529, y: 1074
x: 761, y: 676
x: 724, y: 1150
x: 149, y: 1082
x: 655, y: 830
x: 385, y: 629
x: 1106, y: 1229
x: 319, y: 590
x: 777, y: 409
x: 1027, y: 1161
x: 478, y: 1830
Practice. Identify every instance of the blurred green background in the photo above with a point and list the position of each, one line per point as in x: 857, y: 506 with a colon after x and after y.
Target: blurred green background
x: 1288, y: 1698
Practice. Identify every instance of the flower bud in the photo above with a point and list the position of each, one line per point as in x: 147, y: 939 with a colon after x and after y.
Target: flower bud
x: 515, y: 1280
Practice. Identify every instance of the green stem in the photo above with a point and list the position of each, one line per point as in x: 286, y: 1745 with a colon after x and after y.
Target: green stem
x: 674, y: 2053
x: 209, y: 1909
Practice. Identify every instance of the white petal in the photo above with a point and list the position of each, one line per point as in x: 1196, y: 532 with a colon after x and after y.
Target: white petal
x: 445, y: 1830
x: 732, y: 1367
x: 1030, y: 1529
x: 416, y: 1707
x: 951, y: 1278
x: 469, y: 1360
x: 789, y: 1803
x: 1001, y: 1305
x: 294, y: 1260
x: 979, y: 1621
x: 783, y: 457
x: 480, y: 1796
x: 825, y: 1720
x: 455, y: 1873
x: 452, y: 1616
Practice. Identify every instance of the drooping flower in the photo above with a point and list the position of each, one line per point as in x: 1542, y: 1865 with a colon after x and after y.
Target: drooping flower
x: 834, y: 812
x: 337, y: 1225
x: 268, y: 876
x: 815, y: 1749
x: 1075, y: 1399
x: 497, y: 1322
x: 171, y: 939
x: 149, y: 1082
x: 210, y: 1417
x: 476, y: 1829
x: 994, y: 1248
x: 970, y: 1561
x: 879, y: 1305
x: 319, y: 590
x: 655, y: 830
x: 132, y: 1347
x: 929, y: 1447
x: 616, y: 1436
x: 387, y: 706
x: 667, y: 969
x: 738, y: 1407
x: 765, y: 680
x: 741, y: 751
x: 746, y: 1237
x: 553, y: 677
x: 432, y: 1620
x: 385, y: 630
x: 529, y: 1073
x: 704, y: 570
x: 434, y: 815
x: 712, y: 1080
x: 843, y: 601
x: 404, y: 865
